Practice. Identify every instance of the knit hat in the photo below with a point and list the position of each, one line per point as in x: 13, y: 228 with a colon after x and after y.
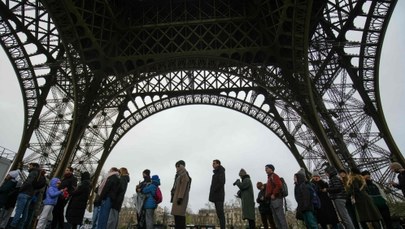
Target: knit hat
x: 270, y: 166
x: 315, y: 174
x: 395, y: 166
x: 146, y: 172
x: 181, y: 162
x: 242, y: 172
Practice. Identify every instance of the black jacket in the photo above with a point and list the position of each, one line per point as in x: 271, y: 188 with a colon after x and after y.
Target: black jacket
x: 117, y: 203
x: 78, y: 202
x: 217, y: 190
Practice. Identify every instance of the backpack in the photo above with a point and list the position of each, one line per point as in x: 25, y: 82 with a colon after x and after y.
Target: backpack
x: 39, y: 182
x: 158, y: 195
x: 316, y: 201
x: 284, y: 188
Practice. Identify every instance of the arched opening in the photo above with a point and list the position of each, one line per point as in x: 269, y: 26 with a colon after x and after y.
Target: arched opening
x: 198, y: 134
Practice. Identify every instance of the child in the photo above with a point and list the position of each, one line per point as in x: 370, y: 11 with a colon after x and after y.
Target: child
x: 52, y: 194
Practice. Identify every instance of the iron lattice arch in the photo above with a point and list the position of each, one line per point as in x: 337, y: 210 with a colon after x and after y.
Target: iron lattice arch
x: 307, y: 70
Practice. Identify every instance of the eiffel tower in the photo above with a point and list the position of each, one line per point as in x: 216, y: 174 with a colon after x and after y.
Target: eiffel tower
x: 307, y: 70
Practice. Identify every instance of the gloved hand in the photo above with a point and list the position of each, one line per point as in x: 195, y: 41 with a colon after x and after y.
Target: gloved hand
x: 234, y: 183
x: 179, y: 201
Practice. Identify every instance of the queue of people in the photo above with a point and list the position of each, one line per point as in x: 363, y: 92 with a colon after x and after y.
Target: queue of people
x: 350, y: 198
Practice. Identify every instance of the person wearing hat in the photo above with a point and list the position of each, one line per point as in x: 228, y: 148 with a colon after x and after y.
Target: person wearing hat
x: 376, y: 193
x: 273, y: 193
x: 366, y: 211
x: 397, y: 168
x: 180, y: 195
x: 247, y: 197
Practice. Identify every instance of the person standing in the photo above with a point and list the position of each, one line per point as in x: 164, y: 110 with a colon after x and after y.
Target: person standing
x: 78, y: 201
x: 338, y: 195
x: 150, y: 203
x: 68, y: 181
x: 264, y: 207
x: 180, y: 195
x: 326, y: 215
x: 24, y: 197
x: 217, y: 191
x: 273, y: 193
x: 7, y: 190
x: 107, y: 192
x: 365, y: 208
x: 305, y: 208
x: 140, y: 198
x: 246, y: 194
x: 51, y: 197
x: 397, y: 168
x: 376, y: 194
x: 116, y: 205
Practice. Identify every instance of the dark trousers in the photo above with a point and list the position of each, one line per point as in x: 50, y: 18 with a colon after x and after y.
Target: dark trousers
x: 219, y: 208
x: 179, y: 222
x: 267, y: 220
x: 252, y: 224
x: 58, y: 219
x: 386, y: 215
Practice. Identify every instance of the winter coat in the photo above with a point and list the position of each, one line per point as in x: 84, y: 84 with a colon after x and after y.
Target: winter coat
x: 150, y: 191
x: 6, y: 188
x: 302, y: 194
x: 117, y: 204
x: 78, y: 202
x: 326, y: 214
x: 27, y: 187
x: 217, y: 190
x: 247, y: 197
x: 52, y: 192
x: 68, y: 181
x: 273, y: 186
x: 264, y: 204
x: 365, y: 209
x: 181, y: 189
x: 373, y: 190
x: 110, y: 188
x: 336, y: 188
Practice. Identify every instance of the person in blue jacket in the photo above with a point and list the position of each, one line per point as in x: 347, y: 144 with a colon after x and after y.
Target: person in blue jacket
x: 51, y: 197
x: 150, y: 203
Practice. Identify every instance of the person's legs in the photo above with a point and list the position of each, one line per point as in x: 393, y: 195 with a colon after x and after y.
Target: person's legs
x: 219, y: 208
x: 21, y: 205
x: 310, y: 220
x: 149, y: 215
x: 43, y: 218
x: 58, y: 219
x: 179, y: 222
x: 104, y: 213
x: 278, y: 213
x: 112, y: 219
x: 94, y: 219
x: 263, y: 217
x: 340, y: 205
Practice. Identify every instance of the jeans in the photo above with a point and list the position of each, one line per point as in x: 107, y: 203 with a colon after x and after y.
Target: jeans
x: 104, y: 213
x: 94, y: 219
x: 278, y: 213
x: 149, y: 215
x: 340, y: 205
x: 219, y: 208
x: 21, y: 210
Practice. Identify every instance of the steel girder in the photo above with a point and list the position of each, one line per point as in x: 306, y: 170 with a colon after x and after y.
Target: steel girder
x: 83, y: 64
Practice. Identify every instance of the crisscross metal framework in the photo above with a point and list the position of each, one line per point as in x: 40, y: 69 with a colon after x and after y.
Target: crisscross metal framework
x: 90, y: 71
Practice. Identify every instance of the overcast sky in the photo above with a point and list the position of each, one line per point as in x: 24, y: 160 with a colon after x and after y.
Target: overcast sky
x: 198, y: 134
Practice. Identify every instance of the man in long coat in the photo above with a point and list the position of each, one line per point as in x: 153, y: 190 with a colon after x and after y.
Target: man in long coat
x: 180, y: 195
x: 217, y: 191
